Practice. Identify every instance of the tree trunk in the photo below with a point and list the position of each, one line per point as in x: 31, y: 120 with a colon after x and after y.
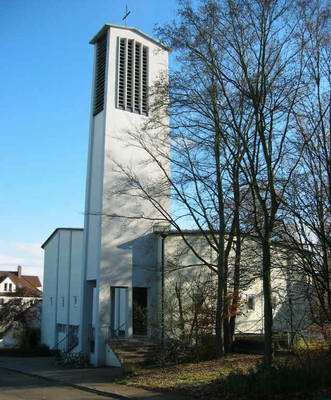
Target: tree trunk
x: 236, y: 284
x: 236, y: 273
x: 219, y: 315
x: 181, y: 314
x: 267, y: 296
x: 226, y: 326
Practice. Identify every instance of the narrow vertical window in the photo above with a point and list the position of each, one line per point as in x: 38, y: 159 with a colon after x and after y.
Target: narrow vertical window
x: 100, y: 75
x: 144, y: 108
x: 251, y: 303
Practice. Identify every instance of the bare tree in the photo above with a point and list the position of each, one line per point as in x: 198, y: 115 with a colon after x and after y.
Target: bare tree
x: 234, y: 102
x: 266, y: 47
x: 309, y: 201
x: 204, y: 182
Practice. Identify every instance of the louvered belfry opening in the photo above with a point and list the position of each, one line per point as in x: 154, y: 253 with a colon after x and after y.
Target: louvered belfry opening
x: 144, y: 105
x: 100, y: 75
x: 129, y: 86
x: 132, y: 71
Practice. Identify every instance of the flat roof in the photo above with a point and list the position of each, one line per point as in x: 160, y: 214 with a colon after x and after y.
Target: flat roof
x: 59, y: 229
x: 105, y: 28
x: 165, y: 232
x: 158, y: 230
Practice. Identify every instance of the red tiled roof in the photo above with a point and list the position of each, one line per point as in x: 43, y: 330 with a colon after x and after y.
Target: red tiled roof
x: 33, y: 280
x: 28, y: 284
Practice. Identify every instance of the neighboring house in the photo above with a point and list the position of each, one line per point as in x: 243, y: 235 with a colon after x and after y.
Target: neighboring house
x: 15, y: 284
x: 20, y: 297
x: 107, y: 281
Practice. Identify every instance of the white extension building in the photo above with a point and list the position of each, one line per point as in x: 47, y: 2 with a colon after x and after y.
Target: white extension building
x: 105, y: 280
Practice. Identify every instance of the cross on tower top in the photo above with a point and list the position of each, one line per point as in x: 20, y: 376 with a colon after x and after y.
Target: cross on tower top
x: 127, y: 13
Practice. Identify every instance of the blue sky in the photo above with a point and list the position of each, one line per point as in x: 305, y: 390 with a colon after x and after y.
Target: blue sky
x: 45, y: 81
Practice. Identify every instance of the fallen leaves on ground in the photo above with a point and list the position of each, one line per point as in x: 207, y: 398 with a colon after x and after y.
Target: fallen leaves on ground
x: 200, y: 380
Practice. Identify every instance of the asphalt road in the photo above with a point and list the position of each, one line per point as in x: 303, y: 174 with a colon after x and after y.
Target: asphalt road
x: 16, y: 386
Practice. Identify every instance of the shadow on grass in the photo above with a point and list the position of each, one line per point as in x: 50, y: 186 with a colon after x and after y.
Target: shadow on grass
x: 243, y: 377
x: 307, y: 376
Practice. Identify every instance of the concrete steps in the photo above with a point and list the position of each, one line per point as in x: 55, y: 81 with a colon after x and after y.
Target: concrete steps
x: 135, y: 352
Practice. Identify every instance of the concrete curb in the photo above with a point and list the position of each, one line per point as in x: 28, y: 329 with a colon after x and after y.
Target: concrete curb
x: 73, y: 385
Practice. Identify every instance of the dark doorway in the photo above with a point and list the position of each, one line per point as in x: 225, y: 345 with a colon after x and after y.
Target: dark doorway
x: 139, y: 311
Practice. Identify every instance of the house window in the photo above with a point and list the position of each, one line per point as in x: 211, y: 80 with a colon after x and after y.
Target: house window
x: 6, y: 287
x: 251, y: 303
x: 10, y: 287
x: 132, y: 76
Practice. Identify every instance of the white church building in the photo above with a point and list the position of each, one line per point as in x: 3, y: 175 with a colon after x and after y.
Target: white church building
x: 95, y: 278
x: 106, y: 280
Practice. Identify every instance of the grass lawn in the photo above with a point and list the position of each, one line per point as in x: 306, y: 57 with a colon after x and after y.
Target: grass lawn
x: 206, y: 380
x: 198, y: 380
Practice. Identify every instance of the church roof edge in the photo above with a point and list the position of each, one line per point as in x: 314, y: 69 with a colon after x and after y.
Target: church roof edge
x: 105, y: 28
x: 59, y: 229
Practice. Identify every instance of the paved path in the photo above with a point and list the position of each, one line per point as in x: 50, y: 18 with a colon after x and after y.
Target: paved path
x: 16, y: 386
x: 94, y: 380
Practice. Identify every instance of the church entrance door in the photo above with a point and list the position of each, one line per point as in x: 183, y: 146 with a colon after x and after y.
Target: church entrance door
x: 140, y: 311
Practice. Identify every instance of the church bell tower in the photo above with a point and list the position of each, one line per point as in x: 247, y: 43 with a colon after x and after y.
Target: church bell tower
x: 126, y: 64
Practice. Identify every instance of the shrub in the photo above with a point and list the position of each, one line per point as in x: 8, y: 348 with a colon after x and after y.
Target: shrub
x: 178, y: 351
x: 309, y: 375
x: 206, y: 348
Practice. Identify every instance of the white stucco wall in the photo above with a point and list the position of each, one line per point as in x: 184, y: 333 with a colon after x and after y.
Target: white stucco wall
x: 62, y: 283
x: 50, y: 290
x: 188, y: 271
